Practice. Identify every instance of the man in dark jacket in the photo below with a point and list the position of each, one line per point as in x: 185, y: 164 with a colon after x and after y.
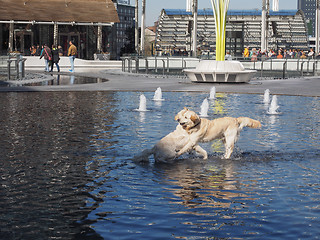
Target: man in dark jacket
x: 55, y: 58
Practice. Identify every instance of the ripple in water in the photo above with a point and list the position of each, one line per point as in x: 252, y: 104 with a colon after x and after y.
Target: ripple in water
x: 66, y: 170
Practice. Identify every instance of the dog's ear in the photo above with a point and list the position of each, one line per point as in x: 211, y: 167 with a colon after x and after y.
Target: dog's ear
x: 186, y: 109
x: 195, y: 118
x: 176, y: 117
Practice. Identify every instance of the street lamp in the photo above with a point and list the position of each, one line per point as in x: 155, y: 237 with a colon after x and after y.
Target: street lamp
x: 136, y: 26
x: 143, y: 23
x: 195, y: 27
x: 317, y: 25
x: 264, y: 27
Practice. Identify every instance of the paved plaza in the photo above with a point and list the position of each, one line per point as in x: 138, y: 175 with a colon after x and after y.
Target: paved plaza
x: 123, y: 81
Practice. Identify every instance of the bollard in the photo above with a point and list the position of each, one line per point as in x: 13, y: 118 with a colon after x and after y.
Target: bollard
x: 17, y: 68
x: 23, y: 67
x: 137, y: 64
x: 123, y: 65
x: 155, y: 64
x: 182, y: 62
x: 163, y: 66
x: 147, y: 66
x: 302, y: 68
x: 9, y: 69
x: 284, y: 70
x: 129, y: 65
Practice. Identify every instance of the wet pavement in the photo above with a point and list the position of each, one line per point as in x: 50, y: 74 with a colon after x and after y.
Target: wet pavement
x: 120, y: 81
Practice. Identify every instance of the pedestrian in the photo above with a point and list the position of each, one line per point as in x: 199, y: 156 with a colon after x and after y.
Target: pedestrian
x: 279, y: 56
x: 72, y: 53
x: 55, y: 58
x: 38, y: 50
x: 311, y: 54
x: 303, y: 55
x: 46, y: 53
x: 60, y: 50
x: 33, y: 50
x: 246, y: 53
x: 228, y: 56
x: 254, y: 55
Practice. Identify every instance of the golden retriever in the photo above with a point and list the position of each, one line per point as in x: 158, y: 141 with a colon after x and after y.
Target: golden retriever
x: 204, y: 130
x: 166, y: 149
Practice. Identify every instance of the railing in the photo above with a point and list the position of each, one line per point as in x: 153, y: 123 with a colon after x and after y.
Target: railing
x: 13, y: 65
x: 274, y: 68
x: 283, y: 68
x: 158, y: 65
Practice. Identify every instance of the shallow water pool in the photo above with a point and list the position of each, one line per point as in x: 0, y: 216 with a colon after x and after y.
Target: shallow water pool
x: 66, y: 169
x: 58, y: 79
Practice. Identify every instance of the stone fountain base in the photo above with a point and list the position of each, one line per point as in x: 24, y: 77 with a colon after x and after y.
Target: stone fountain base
x: 219, y: 71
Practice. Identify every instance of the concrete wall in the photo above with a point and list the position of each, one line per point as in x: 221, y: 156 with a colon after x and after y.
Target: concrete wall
x: 35, y: 63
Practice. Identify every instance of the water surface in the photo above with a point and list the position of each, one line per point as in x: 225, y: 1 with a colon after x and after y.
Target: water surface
x: 66, y: 169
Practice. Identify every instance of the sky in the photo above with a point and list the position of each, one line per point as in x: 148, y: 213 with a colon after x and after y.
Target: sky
x: 154, y: 7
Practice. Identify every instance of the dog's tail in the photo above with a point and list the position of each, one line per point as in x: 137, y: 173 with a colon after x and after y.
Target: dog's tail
x: 143, y: 156
x: 248, y: 122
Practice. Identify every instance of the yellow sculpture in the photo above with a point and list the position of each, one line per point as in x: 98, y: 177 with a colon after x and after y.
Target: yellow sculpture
x: 220, y: 8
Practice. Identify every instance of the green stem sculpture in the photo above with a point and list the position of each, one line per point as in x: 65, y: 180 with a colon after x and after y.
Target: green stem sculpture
x: 220, y: 8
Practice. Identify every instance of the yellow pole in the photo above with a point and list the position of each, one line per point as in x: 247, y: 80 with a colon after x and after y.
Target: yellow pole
x: 220, y: 8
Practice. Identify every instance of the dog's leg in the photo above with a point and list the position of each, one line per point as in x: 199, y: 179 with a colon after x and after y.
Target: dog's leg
x: 190, y: 145
x: 201, y: 151
x: 229, y: 141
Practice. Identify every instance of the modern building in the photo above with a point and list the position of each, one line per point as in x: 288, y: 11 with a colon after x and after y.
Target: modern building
x: 118, y: 34
x: 286, y: 29
x: 94, y: 26
x: 309, y: 9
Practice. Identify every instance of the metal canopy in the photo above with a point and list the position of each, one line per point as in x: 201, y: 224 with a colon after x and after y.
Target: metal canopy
x: 72, y: 11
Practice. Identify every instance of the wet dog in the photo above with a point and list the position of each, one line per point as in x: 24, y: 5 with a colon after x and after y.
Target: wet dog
x: 204, y: 130
x: 167, y: 148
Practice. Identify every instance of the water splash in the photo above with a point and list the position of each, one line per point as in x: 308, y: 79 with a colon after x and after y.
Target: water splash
x: 273, y: 106
x: 212, y: 93
x: 266, y: 96
x: 143, y: 104
x: 158, y: 95
x: 204, y: 108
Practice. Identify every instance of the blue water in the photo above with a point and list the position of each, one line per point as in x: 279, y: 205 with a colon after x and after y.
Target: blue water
x: 66, y: 169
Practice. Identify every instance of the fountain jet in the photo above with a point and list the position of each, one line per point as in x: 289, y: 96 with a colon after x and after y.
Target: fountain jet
x: 266, y: 96
x: 158, y: 95
x: 273, y: 106
x: 212, y: 93
x: 204, y: 108
x: 143, y: 104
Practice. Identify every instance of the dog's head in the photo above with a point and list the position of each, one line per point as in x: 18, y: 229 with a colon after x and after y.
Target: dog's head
x: 187, y: 118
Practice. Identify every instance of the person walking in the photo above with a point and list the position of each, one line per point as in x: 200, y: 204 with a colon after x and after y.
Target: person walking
x: 246, y: 53
x: 55, y: 58
x: 72, y: 53
x: 46, y: 53
x: 311, y: 54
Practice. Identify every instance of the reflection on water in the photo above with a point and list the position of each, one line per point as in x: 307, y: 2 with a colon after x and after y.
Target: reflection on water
x: 58, y: 80
x: 68, y: 80
x: 66, y: 170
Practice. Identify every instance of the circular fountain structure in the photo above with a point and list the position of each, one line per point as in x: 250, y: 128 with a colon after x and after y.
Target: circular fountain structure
x: 220, y: 71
